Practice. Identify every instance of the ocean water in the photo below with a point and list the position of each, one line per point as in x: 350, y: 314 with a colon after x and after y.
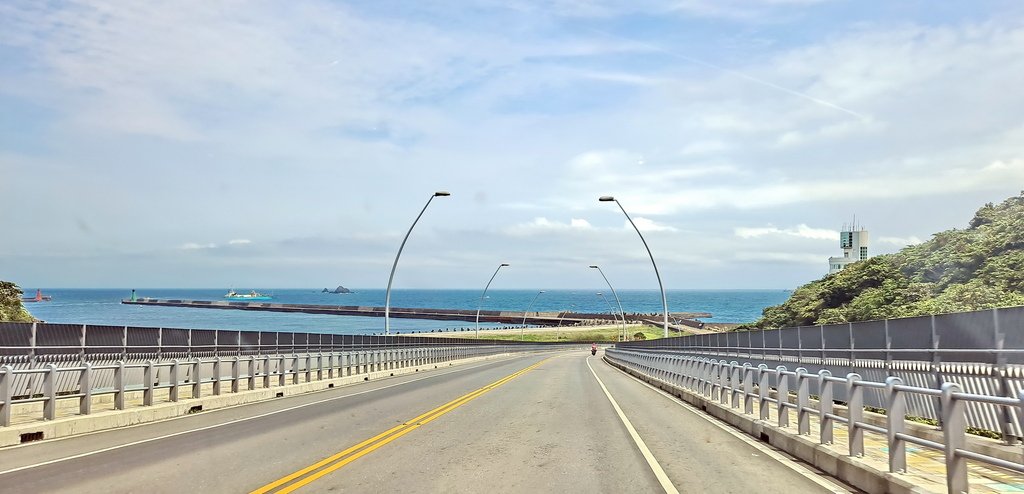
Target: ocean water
x: 103, y: 306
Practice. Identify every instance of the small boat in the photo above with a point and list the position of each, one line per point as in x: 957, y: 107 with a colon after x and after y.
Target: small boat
x: 38, y: 298
x: 252, y: 295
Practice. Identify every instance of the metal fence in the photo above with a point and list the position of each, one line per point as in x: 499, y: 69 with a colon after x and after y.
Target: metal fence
x: 981, y: 351
x: 44, y: 363
x: 741, y: 385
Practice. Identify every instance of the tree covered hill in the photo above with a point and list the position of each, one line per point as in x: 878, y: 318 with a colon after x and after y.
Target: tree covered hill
x: 979, y: 267
x: 11, y: 308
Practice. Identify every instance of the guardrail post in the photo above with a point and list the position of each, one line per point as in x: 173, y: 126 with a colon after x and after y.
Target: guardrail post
x: 147, y: 378
x: 235, y: 374
x: 855, y: 414
x: 825, y: 407
x: 330, y: 365
x: 50, y: 392
x: 216, y: 375
x: 266, y: 371
x: 762, y: 391
x: 748, y: 389
x: 309, y: 367
x: 251, y: 380
x: 295, y: 369
x: 85, y: 386
x: 282, y: 377
x: 723, y: 379
x: 783, y: 395
x: 803, y: 402
x: 320, y: 366
x: 736, y: 383
x: 896, y: 410
x: 119, y: 385
x: 954, y: 427
x: 6, y: 380
x: 173, y: 392
x: 197, y: 378
x: 706, y: 378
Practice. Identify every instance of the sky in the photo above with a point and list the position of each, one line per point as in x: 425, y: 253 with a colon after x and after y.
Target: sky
x: 292, y: 144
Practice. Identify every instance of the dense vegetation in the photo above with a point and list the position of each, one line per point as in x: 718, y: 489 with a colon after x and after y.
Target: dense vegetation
x: 979, y: 267
x: 10, y: 303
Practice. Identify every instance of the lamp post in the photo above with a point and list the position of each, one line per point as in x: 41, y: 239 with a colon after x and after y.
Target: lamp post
x: 664, y: 300
x: 479, y: 305
x: 522, y: 331
x: 621, y: 313
x: 387, y: 296
x: 611, y: 310
x: 571, y: 307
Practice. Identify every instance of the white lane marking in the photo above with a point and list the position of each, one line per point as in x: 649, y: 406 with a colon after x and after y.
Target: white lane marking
x: 796, y: 466
x: 214, y: 426
x: 651, y: 460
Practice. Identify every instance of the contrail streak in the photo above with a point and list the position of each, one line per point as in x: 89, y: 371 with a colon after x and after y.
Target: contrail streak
x: 736, y: 73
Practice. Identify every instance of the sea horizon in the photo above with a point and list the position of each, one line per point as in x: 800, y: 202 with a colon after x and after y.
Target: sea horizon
x: 103, y: 306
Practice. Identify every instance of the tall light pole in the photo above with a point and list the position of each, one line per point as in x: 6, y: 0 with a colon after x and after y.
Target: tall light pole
x: 480, y: 305
x: 664, y: 300
x: 571, y: 307
x: 387, y: 296
x: 611, y: 310
x: 621, y: 313
x: 522, y: 331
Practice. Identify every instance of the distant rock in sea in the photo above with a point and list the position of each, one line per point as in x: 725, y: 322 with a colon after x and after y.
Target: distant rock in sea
x: 340, y: 289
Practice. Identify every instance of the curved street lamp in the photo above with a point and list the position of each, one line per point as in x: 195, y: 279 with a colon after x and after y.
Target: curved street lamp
x: 611, y: 311
x: 522, y: 331
x: 621, y: 313
x: 664, y: 300
x: 479, y: 305
x: 562, y: 316
x: 387, y: 296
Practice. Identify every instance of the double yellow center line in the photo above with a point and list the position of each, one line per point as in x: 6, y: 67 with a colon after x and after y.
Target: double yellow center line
x: 323, y: 467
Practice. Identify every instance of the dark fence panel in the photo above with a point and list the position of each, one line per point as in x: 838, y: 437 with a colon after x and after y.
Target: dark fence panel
x: 57, y: 339
x: 17, y: 335
x: 959, y: 337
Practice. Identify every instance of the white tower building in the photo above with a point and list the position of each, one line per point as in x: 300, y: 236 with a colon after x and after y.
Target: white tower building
x: 854, y: 243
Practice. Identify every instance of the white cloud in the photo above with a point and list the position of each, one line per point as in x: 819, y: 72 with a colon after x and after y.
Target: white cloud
x: 195, y: 246
x: 801, y: 230
x: 784, y: 257
x: 541, y: 224
x: 900, y: 241
x: 239, y: 241
x: 648, y: 225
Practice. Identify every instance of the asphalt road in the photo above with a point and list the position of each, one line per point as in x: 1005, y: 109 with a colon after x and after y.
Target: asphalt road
x: 535, y: 423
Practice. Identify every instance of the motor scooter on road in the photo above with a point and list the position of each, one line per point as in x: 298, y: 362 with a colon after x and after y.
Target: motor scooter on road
x: 593, y: 349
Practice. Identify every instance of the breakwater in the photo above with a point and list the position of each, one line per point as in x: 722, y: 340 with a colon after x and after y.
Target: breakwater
x: 549, y: 318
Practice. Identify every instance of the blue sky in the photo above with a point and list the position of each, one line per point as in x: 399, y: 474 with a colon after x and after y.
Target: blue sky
x: 270, y: 144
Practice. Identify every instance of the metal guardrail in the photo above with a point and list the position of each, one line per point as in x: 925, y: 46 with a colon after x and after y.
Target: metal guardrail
x: 83, y: 381
x: 982, y: 351
x: 734, y: 384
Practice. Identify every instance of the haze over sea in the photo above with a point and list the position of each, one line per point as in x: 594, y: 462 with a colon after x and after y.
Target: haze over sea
x: 103, y: 306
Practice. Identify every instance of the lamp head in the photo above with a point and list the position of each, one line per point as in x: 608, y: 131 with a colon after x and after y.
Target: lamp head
x: 542, y: 291
x: 442, y: 193
x: 504, y: 264
x: 593, y: 266
x: 606, y: 198
x: 599, y: 294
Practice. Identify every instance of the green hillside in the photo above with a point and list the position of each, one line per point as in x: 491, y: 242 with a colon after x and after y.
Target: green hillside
x: 979, y: 267
x: 10, y: 303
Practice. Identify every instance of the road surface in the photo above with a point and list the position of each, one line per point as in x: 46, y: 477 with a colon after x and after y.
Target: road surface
x: 532, y: 423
